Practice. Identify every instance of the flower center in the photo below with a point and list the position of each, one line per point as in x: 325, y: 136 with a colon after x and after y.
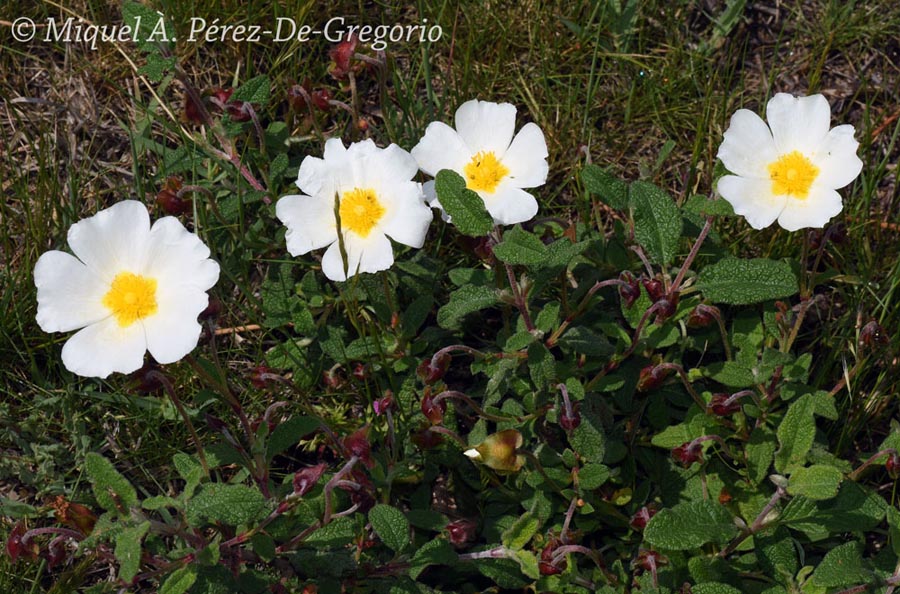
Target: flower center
x: 484, y: 172
x: 360, y: 210
x: 792, y: 174
x: 131, y: 297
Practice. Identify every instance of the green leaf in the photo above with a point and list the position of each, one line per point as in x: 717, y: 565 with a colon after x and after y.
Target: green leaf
x: 435, y: 552
x: 463, y: 301
x: 149, y: 27
x: 690, y: 525
x: 795, y: 434
x: 520, y: 533
x: 528, y: 563
x: 760, y: 451
x: 742, y: 282
x: 657, y: 221
x: 255, y: 90
x: 180, y: 580
x: 592, y: 476
x: 583, y: 340
x: 390, y: 525
x: 589, y: 439
x: 541, y: 365
x: 465, y: 207
x: 714, y: 588
x: 818, y: 481
x: 841, y: 566
x: 232, y: 505
x: 288, y: 433
x: 111, y: 489
x: 336, y: 533
x: 703, y: 206
x: 777, y: 554
x: 521, y: 247
x: 610, y: 189
x: 128, y: 550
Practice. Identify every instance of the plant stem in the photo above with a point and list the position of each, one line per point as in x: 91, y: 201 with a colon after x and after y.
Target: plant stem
x: 695, y: 249
x: 173, y: 396
x: 758, y: 523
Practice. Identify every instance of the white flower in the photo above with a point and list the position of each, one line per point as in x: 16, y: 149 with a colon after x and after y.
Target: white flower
x: 789, y: 173
x: 130, y: 288
x: 377, y: 199
x: 483, y: 151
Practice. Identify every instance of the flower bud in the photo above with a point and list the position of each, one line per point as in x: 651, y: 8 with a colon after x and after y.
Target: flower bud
x: 499, y: 451
x: 687, y: 453
x: 360, y: 372
x: 168, y: 200
x: 651, y: 377
x: 433, y: 411
x: 358, y: 445
x: 722, y: 405
x: 425, y: 439
x: 433, y: 369
x: 258, y: 376
x: 461, y: 532
x: 570, y: 420
x: 16, y: 548
x: 641, y: 517
x: 341, y: 55
x: 654, y: 288
x: 321, y: 99
x: 647, y: 560
x: 892, y: 465
x: 629, y: 291
x: 306, y: 479
x: 666, y: 308
x: 74, y: 515
x: 382, y: 405
x: 702, y: 316
x: 872, y: 336
x: 296, y: 96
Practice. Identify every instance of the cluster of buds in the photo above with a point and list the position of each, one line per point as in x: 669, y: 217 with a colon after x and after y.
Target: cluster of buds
x: 302, y: 96
x: 546, y: 565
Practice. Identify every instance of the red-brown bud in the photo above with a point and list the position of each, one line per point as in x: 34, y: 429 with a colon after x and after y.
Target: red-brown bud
x: 722, y: 405
x: 461, y: 532
x: 654, y: 288
x: 16, y: 548
x: 873, y: 336
x: 433, y: 369
x: 641, y: 517
x: 702, y: 316
x: 687, y: 453
x: 341, y: 55
x: 382, y: 405
x: 570, y: 420
x: 321, y: 99
x: 545, y: 564
x: 360, y: 372
x: 358, y: 445
x: 629, y: 291
x: 892, y: 465
x: 425, y: 439
x: 433, y: 411
x: 651, y: 377
x: 258, y: 376
x: 306, y: 479
x: 647, y: 560
x: 168, y: 200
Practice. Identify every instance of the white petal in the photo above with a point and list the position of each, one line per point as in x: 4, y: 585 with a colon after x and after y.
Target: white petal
x: 376, y: 253
x: 752, y: 198
x: 486, y: 126
x: 432, y: 200
x: 310, y: 222
x: 798, y: 123
x: 748, y: 147
x: 333, y: 266
x: 394, y: 165
x: 177, y: 257
x: 819, y: 207
x: 510, y: 205
x: 105, y: 347
x: 409, y: 217
x: 113, y: 239
x: 313, y: 175
x: 69, y: 295
x: 836, y: 158
x: 174, y: 331
x: 441, y: 148
x: 526, y: 158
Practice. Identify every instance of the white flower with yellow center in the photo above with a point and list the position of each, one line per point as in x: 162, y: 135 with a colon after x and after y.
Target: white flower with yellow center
x: 790, y: 169
x: 483, y: 151
x: 129, y: 287
x: 376, y: 199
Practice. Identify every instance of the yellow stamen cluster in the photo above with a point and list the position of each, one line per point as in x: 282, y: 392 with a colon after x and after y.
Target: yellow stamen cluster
x: 792, y: 174
x: 484, y: 172
x: 131, y: 297
x: 360, y: 211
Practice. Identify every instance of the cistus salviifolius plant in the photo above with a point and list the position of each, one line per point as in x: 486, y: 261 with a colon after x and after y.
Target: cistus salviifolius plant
x: 461, y: 393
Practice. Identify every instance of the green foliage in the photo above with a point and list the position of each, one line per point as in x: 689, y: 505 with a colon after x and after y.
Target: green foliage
x: 232, y: 505
x: 742, y: 282
x: 391, y: 526
x: 464, y: 206
x: 113, y: 491
x: 657, y: 221
x: 689, y: 526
